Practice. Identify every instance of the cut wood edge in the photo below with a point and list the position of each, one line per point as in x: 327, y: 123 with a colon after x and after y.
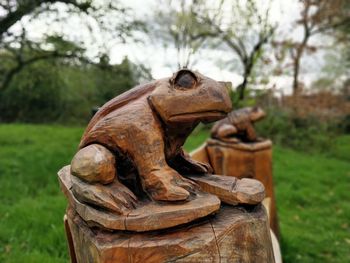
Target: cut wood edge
x: 70, y: 242
x: 231, y: 190
x: 244, y: 146
x: 276, y: 248
x: 235, y: 234
x: 147, y: 216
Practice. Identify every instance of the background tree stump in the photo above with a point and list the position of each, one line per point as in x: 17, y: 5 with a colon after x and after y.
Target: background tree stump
x: 243, y: 160
x: 235, y: 234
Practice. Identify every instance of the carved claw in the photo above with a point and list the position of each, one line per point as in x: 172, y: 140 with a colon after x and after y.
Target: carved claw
x: 168, y: 185
x: 186, y: 165
x: 114, y: 197
x: 199, y: 167
x: 171, y: 193
x: 94, y: 180
x: 187, y: 184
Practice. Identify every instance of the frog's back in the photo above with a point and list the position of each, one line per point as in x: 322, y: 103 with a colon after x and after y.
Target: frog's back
x: 240, y: 116
x: 114, y: 105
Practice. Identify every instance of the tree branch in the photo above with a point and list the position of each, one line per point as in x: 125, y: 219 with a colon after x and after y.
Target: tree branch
x: 51, y: 55
x: 27, y: 7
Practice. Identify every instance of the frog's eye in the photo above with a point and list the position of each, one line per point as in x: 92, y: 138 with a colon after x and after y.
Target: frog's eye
x: 185, y: 79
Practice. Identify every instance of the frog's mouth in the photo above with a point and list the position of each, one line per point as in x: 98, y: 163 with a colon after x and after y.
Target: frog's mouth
x: 203, y: 116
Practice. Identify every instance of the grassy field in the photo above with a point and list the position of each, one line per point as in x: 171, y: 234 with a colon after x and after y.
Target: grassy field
x: 313, y: 195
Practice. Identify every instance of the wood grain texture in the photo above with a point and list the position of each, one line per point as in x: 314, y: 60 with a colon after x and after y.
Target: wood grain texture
x: 246, y: 160
x: 70, y: 242
x: 238, y: 126
x: 235, y: 234
x: 231, y: 190
x: 94, y: 163
x: 146, y: 215
x: 146, y: 127
x: 129, y: 197
x: 114, y: 197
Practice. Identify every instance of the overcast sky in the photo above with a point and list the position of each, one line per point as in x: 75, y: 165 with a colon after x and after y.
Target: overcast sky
x: 283, y: 12
x: 163, y: 62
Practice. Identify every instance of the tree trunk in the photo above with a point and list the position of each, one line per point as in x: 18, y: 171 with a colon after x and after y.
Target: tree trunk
x: 296, y: 74
x: 235, y: 234
x: 242, y: 87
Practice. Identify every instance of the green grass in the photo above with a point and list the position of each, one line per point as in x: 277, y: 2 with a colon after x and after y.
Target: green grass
x: 32, y: 206
x: 313, y: 195
x: 313, y: 204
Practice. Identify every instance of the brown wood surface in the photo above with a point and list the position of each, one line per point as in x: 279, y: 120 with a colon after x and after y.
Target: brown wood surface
x: 94, y: 163
x: 238, y: 126
x: 234, y: 235
x: 114, y: 197
x: 73, y: 257
x: 231, y: 190
x: 129, y: 199
x: 146, y: 215
x: 145, y: 128
x: 245, y: 160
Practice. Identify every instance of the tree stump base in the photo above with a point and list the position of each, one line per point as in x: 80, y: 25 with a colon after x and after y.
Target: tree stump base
x: 234, y: 234
x: 243, y: 160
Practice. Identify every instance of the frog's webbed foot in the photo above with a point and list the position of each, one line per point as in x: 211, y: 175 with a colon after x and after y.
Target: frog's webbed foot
x: 184, y: 164
x: 167, y: 185
x: 114, y: 197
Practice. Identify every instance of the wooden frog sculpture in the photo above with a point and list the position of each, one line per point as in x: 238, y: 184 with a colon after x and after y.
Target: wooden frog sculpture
x: 238, y: 125
x: 140, y: 134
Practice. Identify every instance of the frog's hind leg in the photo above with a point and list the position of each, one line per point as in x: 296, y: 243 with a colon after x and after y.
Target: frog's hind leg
x: 94, y: 164
x: 94, y: 180
x: 226, y: 131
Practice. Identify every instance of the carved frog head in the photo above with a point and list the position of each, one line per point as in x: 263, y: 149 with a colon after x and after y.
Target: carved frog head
x: 189, y: 97
x: 256, y: 114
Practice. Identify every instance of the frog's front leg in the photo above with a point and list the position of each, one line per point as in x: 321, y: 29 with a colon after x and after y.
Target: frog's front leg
x: 250, y: 132
x: 184, y: 164
x: 166, y: 184
x: 158, y: 179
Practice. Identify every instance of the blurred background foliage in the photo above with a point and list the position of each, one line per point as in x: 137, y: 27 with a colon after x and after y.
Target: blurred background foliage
x: 51, y: 91
x: 56, y: 79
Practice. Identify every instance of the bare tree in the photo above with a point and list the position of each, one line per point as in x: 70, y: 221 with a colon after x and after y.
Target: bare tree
x: 237, y: 27
x: 175, y: 25
x: 13, y: 11
x: 316, y: 17
x: 241, y: 27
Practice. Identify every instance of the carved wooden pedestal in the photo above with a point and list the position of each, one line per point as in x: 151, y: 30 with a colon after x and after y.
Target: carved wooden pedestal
x: 243, y: 160
x: 235, y: 234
